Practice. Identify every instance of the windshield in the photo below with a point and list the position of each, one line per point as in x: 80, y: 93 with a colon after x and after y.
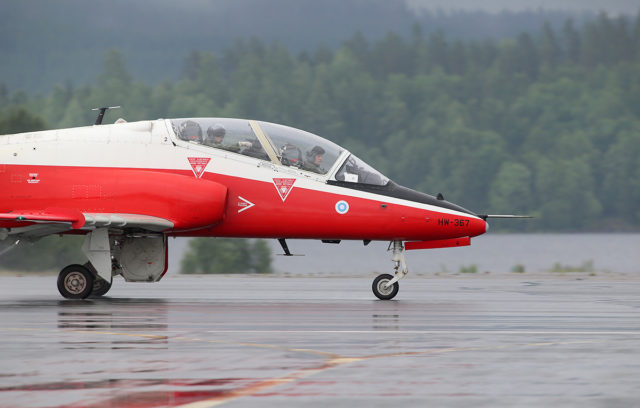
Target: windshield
x: 232, y: 135
x: 300, y: 149
x: 355, y: 170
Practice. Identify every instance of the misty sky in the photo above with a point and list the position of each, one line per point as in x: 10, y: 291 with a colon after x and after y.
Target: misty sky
x: 612, y: 7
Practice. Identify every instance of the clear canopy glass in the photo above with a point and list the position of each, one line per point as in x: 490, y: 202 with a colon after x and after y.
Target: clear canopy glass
x: 355, y: 170
x: 300, y: 149
x: 234, y: 135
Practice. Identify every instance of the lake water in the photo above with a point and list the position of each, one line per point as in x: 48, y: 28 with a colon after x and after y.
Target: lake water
x: 494, y: 253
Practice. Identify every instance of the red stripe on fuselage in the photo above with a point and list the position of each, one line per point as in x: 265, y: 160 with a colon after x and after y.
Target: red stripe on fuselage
x: 168, y: 195
x: 178, y: 195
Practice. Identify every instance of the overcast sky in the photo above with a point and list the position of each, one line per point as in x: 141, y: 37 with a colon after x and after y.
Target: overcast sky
x: 612, y: 7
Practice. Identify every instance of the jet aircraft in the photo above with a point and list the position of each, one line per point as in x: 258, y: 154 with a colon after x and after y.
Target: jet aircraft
x: 129, y: 186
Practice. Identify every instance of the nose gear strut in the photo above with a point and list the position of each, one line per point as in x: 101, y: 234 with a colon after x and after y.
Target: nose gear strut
x: 385, y: 286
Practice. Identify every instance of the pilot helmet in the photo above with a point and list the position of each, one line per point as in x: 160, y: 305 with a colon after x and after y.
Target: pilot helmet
x: 291, y: 154
x: 216, y: 130
x: 190, y: 130
x: 317, y: 150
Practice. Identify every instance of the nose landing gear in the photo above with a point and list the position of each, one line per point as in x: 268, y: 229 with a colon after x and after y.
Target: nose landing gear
x: 385, y: 286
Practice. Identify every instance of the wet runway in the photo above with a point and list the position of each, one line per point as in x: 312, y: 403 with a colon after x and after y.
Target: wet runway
x: 246, y: 341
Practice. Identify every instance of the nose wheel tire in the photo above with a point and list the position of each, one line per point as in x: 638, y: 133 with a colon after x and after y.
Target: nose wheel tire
x: 75, y: 282
x: 382, y: 290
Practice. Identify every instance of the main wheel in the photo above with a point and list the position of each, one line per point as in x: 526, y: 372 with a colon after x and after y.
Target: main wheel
x: 100, y: 286
x: 75, y: 282
x: 380, y: 288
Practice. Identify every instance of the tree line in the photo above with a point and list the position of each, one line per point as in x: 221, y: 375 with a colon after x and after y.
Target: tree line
x: 546, y: 123
x: 61, y: 39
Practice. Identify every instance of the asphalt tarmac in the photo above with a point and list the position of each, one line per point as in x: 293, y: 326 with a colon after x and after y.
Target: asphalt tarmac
x: 248, y: 341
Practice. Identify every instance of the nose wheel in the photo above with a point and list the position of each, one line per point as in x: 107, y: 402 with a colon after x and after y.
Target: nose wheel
x: 386, y: 286
x: 382, y: 289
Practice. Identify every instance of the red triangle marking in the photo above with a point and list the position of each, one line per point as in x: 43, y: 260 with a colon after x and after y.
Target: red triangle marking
x: 283, y: 186
x: 198, y: 164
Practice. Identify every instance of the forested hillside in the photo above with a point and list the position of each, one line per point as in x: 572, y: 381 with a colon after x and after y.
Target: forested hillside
x: 547, y: 123
x: 44, y: 42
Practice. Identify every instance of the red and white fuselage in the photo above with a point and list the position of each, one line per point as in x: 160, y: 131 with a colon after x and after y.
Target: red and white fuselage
x: 145, y: 169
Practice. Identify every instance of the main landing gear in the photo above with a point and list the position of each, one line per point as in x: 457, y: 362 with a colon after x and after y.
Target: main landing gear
x: 75, y: 282
x: 138, y: 257
x: 385, y: 286
x: 81, y: 281
x: 100, y: 286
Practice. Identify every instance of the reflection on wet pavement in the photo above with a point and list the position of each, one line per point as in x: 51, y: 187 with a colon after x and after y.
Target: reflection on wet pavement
x: 123, y: 315
x: 128, y: 394
x: 268, y: 341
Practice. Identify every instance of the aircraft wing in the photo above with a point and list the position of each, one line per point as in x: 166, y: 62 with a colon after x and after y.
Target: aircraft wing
x: 33, y: 225
x: 38, y: 223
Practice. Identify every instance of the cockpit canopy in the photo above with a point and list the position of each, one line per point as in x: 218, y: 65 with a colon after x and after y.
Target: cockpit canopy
x: 234, y: 135
x: 282, y: 145
x: 354, y: 170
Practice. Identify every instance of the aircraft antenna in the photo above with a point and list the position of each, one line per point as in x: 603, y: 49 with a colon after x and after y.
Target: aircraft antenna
x: 101, y: 113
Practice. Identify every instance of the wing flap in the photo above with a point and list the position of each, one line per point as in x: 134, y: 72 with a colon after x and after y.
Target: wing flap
x: 145, y: 222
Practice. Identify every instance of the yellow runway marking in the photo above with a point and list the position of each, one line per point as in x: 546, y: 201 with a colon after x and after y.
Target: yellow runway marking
x: 341, y: 361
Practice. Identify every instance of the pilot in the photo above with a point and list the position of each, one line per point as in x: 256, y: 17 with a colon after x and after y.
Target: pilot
x: 190, y: 131
x: 215, y: 136
x: 314, y: 160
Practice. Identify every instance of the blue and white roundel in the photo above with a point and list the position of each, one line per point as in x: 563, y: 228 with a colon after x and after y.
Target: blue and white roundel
x: 342, y: 207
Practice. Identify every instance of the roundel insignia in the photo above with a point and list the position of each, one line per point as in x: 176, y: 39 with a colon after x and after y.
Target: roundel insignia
x: 342, y: 207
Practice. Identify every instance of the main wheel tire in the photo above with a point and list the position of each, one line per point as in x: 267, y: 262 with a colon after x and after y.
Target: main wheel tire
x: 380, y: 289
x: 100, y: 287
x: 75, y: 282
